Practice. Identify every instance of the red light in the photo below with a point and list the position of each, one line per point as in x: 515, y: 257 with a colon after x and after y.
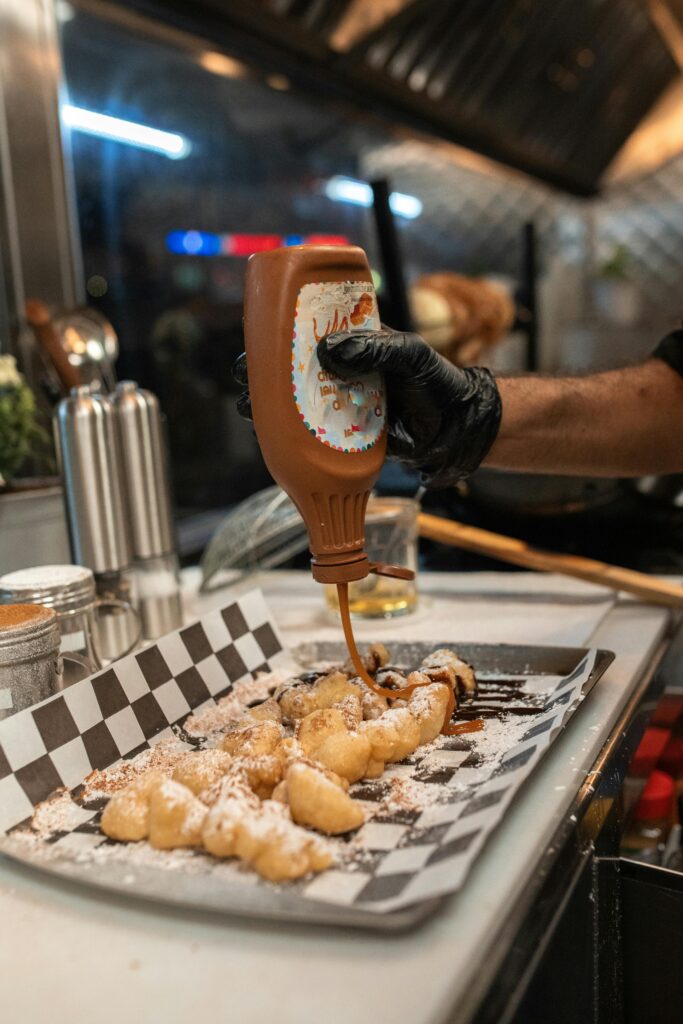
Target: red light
x: 245, y: 245
x: 327, y: 240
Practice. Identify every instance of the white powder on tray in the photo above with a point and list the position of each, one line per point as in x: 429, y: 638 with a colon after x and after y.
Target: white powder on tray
x: 217, y: 717
x: 407, y: 794
x: 489, y: 746
x: 398, y: 791
x: 106, y: 781
x: 57, y: 814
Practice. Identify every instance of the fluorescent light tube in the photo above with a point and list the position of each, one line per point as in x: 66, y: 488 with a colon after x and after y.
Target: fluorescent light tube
x: 130, y: 133
x: 347, y: 190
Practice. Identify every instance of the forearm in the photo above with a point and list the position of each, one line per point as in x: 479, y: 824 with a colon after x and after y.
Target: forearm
x: 621, y: 423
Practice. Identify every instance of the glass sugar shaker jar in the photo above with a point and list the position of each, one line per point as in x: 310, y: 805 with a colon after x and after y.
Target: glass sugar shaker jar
x: 30, y: 661
x: 70, y: 591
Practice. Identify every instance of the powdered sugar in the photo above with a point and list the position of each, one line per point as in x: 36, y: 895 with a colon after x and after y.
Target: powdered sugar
x: 407, y: 794
x: 436, y: 772
x: 58, y: 814
x: 104, y: 783
x: 216, y: 717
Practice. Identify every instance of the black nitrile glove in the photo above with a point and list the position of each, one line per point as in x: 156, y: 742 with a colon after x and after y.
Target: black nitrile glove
x: 442, y: 420
x: 239, y: 373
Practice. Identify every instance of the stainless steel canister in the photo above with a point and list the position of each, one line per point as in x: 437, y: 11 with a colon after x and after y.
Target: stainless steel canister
x: 30, y: 662
x: 147, y: 482
x: 94, y: 493
x: 90, y: 460
x: 145, y: 470
x: 70, y: 591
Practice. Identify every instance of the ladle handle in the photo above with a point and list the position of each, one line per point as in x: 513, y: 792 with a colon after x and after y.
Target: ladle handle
x: 398, y: 572
x: 39, y: 320
x: 517, y: 552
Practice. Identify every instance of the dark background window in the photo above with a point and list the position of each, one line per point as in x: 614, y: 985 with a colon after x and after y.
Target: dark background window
x: 260, y: 157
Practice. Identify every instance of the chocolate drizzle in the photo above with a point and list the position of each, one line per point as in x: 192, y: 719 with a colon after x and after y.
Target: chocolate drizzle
x: 496, y: 698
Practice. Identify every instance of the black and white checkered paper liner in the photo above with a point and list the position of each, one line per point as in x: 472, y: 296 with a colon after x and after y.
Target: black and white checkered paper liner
x: 409, y: 856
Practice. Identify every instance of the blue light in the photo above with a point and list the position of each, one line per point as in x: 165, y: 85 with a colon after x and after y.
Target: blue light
x: 293, y: 240
x: 404, y: 205
x: 193, y: 243
x: 347, y: 190
x: 131, y: 133
x: 359, y: 193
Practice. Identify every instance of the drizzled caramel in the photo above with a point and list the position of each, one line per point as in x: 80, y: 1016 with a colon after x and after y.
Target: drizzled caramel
x: 448, y: 728
x: 455, y: 728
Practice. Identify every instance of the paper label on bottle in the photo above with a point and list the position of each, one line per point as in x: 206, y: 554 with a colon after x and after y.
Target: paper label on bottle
x: 347, y: 415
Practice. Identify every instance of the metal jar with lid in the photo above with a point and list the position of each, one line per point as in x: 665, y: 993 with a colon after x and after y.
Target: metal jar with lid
x: 70, y: 591
x: 30, y: 660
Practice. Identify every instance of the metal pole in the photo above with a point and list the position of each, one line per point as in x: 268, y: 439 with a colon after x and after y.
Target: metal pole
x: 392, y: 264
x: 529, y: 272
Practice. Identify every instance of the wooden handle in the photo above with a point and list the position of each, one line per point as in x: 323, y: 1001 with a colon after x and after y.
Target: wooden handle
x: 507, y: 549
x: 39, y: 319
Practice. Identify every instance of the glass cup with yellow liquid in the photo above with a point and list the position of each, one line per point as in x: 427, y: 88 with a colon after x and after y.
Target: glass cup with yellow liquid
x: 390, y: 537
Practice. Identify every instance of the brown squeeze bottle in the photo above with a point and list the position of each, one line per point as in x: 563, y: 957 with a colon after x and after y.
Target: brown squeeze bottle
x: 322, y: 438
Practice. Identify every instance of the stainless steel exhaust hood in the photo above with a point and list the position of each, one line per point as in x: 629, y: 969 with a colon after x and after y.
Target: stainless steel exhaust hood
x: 550, y: 87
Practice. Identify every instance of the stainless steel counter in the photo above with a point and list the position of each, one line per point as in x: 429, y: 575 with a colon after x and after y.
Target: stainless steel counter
x: 82, y: 955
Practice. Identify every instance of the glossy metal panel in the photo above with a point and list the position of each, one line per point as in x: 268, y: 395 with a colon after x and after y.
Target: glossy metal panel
x: 145, y: 470
x: 93, y: 486
x: 39, y: 254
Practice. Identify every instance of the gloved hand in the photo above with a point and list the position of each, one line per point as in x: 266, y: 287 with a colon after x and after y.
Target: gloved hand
x: 239, y: 373
x: 442, y: 420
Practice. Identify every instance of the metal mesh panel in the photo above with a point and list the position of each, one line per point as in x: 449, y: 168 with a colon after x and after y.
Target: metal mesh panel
x: 471, y: 220
x: 646, y: 217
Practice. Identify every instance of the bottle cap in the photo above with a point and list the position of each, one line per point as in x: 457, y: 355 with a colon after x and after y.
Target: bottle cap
x: 657, y: 797
x: 649, y: 751
x: 671, y: 760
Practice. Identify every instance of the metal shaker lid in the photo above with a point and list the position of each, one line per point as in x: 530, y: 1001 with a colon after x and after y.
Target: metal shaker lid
x: 146, y: 472
x: 27, y: 631
x: 90, y: 458
x: 66, y: 588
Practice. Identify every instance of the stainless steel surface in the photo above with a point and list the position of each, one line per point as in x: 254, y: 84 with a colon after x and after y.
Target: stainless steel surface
x: 160, y: 615
x: 193, y: 892
x: 145, y: 469
x: 30, y: 663
x: 90, y: 461
x: 33, y: 528
x: 198, y: 890
x: 583, y: 821
x: 514, y: 658
x: 65, y: 588
x: 158, y: 595
x: 39, y: 246
x: 118, y: 632
x: 119, y: 624
x: 70, y: 591
x: 517, y: 81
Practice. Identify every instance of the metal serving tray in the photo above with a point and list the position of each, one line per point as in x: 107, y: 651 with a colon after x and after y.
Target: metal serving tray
x: 205, y: 890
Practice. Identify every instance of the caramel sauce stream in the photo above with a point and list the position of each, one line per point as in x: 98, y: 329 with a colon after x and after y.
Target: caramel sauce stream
x: 448, y: 728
